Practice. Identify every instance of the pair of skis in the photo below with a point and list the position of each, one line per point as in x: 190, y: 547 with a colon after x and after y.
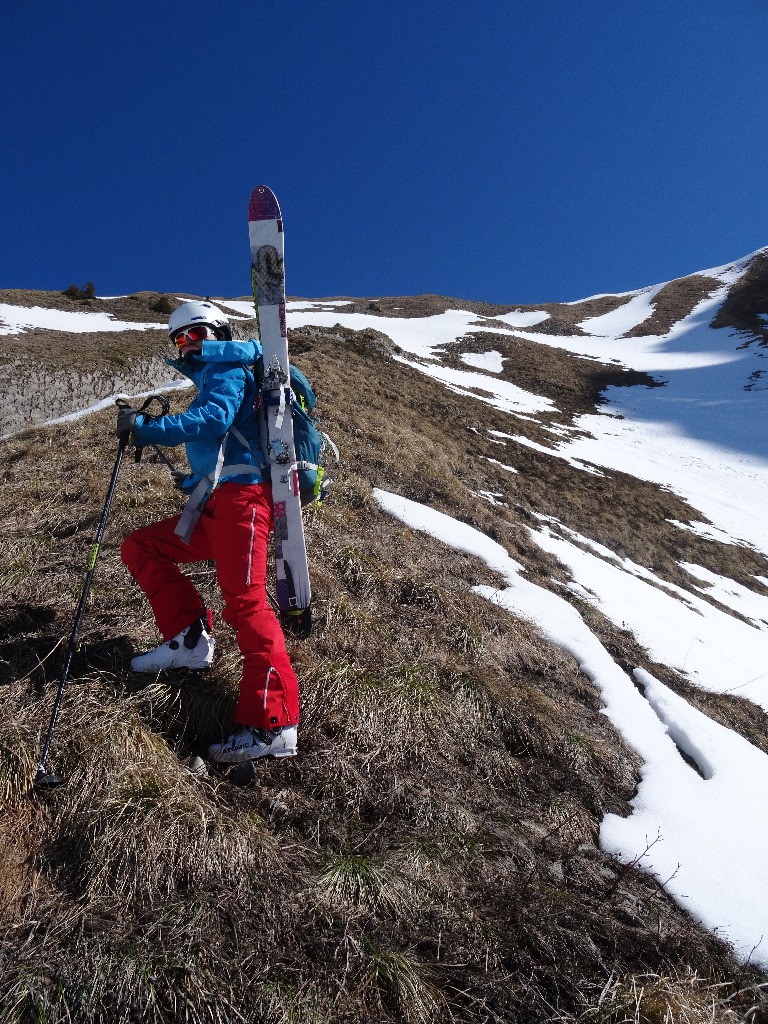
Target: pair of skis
x: 265, y: 228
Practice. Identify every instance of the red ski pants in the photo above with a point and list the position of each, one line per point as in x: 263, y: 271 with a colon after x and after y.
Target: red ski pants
x: 233, y: 531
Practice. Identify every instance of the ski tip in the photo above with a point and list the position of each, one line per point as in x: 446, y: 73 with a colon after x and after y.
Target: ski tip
x: 263, y: 204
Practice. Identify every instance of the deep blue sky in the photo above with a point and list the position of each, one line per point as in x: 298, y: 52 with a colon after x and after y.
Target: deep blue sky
x: 510, y: 151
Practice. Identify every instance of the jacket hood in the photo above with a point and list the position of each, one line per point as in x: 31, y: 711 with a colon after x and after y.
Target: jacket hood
x: 238, y: 353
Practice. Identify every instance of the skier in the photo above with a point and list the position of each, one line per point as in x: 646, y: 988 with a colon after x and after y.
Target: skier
x: 228, y: 518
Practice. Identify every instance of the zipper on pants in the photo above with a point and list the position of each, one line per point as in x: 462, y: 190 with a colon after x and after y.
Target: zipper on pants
x: 270, y: 670
x: 250, y: 548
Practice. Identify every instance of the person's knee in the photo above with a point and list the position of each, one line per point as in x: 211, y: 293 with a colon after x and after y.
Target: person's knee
x: 132, y: 551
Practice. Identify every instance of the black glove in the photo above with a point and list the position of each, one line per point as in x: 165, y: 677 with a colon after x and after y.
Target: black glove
x: 126, y: 418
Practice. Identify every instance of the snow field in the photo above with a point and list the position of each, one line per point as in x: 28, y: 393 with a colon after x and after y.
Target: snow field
x: 716, y: 651
x: 699, y: 832
x: 700, y: 434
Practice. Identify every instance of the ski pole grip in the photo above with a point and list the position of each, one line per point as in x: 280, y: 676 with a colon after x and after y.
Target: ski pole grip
x: 165, y: 405
x: 165, y: 408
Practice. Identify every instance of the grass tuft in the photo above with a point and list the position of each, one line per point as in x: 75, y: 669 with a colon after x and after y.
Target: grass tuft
x: 361, y: 882
x: 399, y: 983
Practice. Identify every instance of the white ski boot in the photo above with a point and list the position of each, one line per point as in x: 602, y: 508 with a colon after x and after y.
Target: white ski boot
x: 249, y: 744
x: 191, y: 648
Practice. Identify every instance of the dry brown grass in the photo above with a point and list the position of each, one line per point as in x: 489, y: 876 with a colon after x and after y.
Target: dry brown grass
x: 745, y: 302
x: 674, y: 302
x: 430, y: 856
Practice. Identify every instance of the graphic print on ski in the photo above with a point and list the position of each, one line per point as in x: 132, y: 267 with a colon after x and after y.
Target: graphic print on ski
x: 265, y: 228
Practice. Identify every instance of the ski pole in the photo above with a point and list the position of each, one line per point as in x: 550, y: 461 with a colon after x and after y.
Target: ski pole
x: 45, y: 779
x: 163, y: 458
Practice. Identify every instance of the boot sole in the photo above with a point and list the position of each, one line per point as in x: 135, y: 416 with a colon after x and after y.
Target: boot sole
x: 253, y: 759
x: 171, y: 668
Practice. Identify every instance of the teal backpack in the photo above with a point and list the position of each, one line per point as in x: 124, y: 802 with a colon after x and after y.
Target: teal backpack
x: 313, y: 446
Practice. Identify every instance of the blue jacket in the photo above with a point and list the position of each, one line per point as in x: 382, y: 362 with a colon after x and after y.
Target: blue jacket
x: 226, y: 392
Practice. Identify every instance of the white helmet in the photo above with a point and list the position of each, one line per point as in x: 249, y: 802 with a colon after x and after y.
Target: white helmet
x: 196, y: 312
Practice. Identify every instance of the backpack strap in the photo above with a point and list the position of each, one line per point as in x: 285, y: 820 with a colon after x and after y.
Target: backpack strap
x: 331, y: 445
x: 194, y: 504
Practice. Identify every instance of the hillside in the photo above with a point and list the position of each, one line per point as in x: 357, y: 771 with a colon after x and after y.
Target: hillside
x: 441, y: 850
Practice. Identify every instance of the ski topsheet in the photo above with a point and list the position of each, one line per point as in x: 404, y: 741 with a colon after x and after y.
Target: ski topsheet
x: 265, y: 227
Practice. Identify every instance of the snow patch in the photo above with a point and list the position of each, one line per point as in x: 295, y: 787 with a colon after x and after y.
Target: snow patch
x: 492, y: 497
x: 105, y: 403
x: 17, y: 319
x: 500, y: 394
x: 730, y: 594
x: 619, y: 321
x: 557, y: 453
x: 520, y: 318
x: 493, y: 362
x: 495, y: 462
x: 705, y: 530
